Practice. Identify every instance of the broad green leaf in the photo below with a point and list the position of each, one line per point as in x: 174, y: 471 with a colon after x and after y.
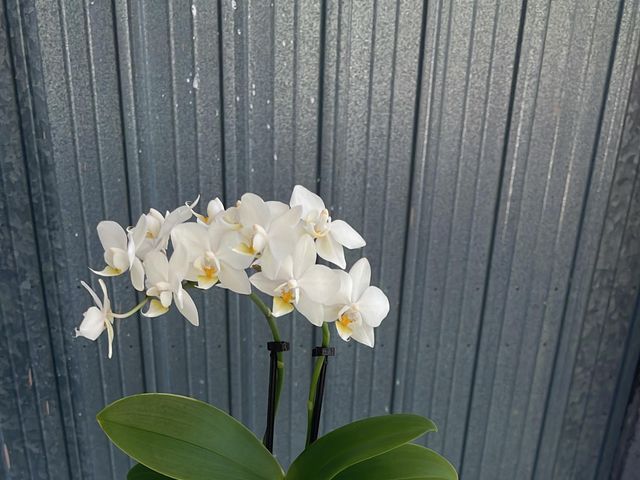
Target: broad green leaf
x: 140, y: 472
x: 405, y: 462
x: 356, y: 442
x: 186, y: 439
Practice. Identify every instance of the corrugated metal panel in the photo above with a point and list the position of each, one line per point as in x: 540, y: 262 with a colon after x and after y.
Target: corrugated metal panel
x: 487, y: 150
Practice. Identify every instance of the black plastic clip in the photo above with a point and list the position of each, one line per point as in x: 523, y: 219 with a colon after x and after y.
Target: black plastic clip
x: 323, y: 351
x: 278, y: 346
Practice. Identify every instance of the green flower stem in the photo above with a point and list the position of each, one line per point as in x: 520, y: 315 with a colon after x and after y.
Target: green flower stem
x: 326, y: 338
x: 133, y: 310
x: 271, y: 321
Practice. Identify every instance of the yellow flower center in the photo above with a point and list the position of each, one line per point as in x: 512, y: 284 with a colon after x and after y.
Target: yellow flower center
x: 287, y: 296
x: 209, y: 271
x: 345, y: 320
x: 202, y: 218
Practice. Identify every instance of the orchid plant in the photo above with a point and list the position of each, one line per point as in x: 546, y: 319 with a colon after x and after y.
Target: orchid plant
x: 274, y: 248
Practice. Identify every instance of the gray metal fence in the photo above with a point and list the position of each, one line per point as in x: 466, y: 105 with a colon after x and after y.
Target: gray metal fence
x: 488, y: 150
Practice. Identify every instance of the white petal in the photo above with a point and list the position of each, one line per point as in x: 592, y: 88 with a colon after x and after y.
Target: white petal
x: 155, y: 309
x: 373, y: 306
x: 280, y: 307
x: 93, y: 294
x: 143, y: 249
x: 283, y: 241
x: 321, y: 284
x: 188, y: 309
x: 139, y: 232
x: 253, y: 210
x: 178, y: 266
x: 92, y: 324
x: 229, y: 218
x: 313, y: 311
x: 344, y: 294
x: 364, y: 334
x: 153, y: 291
x: 193, y: 237
x: 343, y: 332
x: 110, y: 335
x: 277, y: 209
x: 264, y: 284
x: 218, y: 236
x: 346, y: 235
x: 193, y: 204
x: 235, y: 280
x: 304, y: 256
x: 137, y: 275
x: 331, y: 251
x: 234, y: 259
x: 156, y: 267
x: 274, y: 269
x: 309, y: 201
x: 288, y: 219
x: 106, y: 303
x: 214, y: 207
x: 245, y: 249
x: 111, y: 235
x: 332, y: 312
x: 360, y: 274
x: 131, y: 248
x: 178, y: 216
x: 165, y: 298
x: 154, y: 220
x: 259, y: 241
x: 120, y: 259
x: 205, y: 282
x: 268, y: 264
x: 107, y: 272
x: 177, y: 297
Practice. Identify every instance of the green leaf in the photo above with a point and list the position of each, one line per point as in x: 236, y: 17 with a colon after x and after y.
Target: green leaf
x: 406, y: 462
x: 186, y: 439
x: 356, y: 442
x: 140, y: 472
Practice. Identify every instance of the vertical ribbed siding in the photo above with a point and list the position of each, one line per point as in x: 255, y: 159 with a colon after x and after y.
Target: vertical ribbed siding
x: 486, y: 150
x: 459, y: 160
x: 31, y: 419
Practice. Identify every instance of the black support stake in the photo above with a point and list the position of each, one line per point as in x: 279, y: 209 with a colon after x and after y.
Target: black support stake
x: 325, y: 352
x: 274, y: 348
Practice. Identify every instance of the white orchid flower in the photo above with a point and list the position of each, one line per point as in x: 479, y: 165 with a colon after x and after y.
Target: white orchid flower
x: 171, y: 220
x: 228, y: 219
x: 214, y: 208
x: 267, y: 226
x: 97, y: 318
x: 146, y: 231
x: 164, y: 281
x: 152, y: 231
x: 119, y: 253
x: 362, y: 307
x: 330, y: 235
x: 298, y: 282
x: 210, y: 258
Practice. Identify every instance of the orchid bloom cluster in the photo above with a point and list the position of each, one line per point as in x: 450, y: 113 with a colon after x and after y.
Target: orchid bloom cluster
x: 165, y: 255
